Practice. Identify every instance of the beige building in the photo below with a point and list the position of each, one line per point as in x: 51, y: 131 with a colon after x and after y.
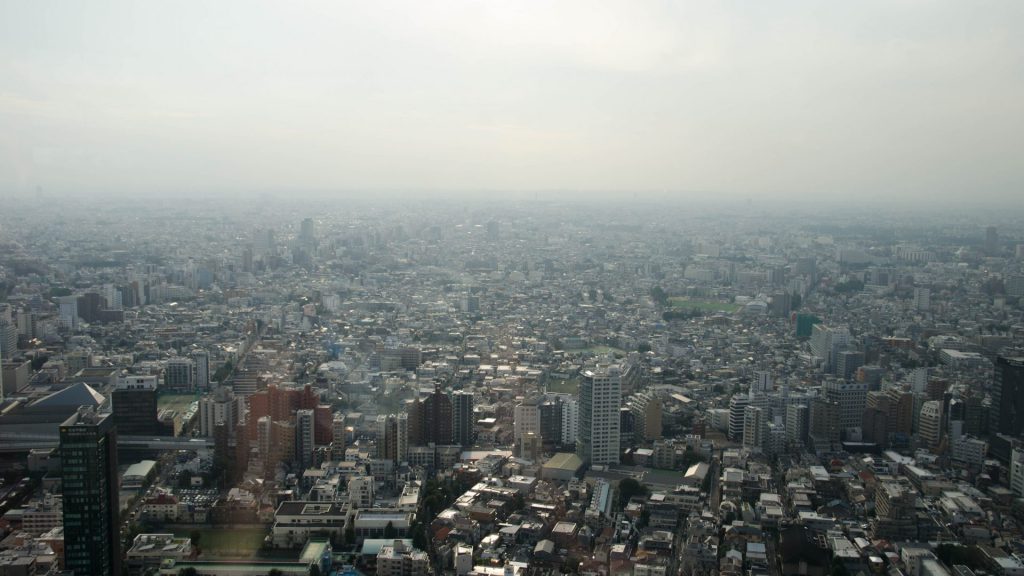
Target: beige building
x: 400, y: 559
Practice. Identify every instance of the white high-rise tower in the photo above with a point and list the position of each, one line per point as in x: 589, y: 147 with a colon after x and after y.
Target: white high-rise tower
x: 600, y: 397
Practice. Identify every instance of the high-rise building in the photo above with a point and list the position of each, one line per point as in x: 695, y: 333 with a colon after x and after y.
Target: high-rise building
x: 551, y: 420
x: 805, y: 325
x: 430, y: 420
x: 134, y: 406
x: 178, y: 375
x: 339, y: 436
x: 393, y: 437
x: 1017, y: 471
x: 797, y: 419
x: 68, y: 312
x: 307, y: 232
x: 762, y: 382
x: 847, y: 363
x: 851, y: 398
x: 922, y: 299
x: 755, y: 428
x: 646, y: 410
x: 991, y: 240
x: 627, y: 428
x: 737, y: 407
x: 1014, y: 283
x: 304, y: 438
x: 827, y: 342
x: 600, y: 396
x: 570, y: 420
x: 824, y: 428
x: 201, y: 358
x: 88, y: 450
x: 930, y: 425
x: 526, y: 419
x: 876, y: 427
x: 462, y: 418
x: 898, y: 407
x: 8, y: 339
x: 1008, y: 396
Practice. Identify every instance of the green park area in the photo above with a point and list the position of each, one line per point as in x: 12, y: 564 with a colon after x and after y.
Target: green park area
x: 241, y: 542
x: 704, y: 305
x: 176, y: 402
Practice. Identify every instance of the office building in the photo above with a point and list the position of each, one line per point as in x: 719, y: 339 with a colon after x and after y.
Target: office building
x: 1008, y: 396
x: 551, y: 420
x: 847, y: 363
x: 68, y: 318
x: 827, y: 342
x: 824, y: 428
x: 600, y: 396
x: 178, y: 375
x: 134, y: 406
x: 851, y: 398
x: 88, y: 449
x: 875, y: 427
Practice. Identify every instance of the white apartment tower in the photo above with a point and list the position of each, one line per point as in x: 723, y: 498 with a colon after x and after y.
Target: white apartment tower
x: 570, y: 420
x: 600, y: 397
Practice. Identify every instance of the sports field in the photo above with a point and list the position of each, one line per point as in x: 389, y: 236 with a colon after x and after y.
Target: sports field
x: 228, y: 541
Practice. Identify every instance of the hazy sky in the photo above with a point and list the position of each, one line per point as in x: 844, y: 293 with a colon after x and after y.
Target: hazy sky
x: 896, y: 98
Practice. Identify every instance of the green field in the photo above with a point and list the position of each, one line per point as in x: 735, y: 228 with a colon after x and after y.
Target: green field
x: 228, y: 541
x: 177, y: 402
x: 704, y: 305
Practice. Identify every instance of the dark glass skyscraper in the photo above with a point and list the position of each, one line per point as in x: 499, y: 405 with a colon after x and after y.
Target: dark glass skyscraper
x: 88, y: 451
x: 1008, y: 395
